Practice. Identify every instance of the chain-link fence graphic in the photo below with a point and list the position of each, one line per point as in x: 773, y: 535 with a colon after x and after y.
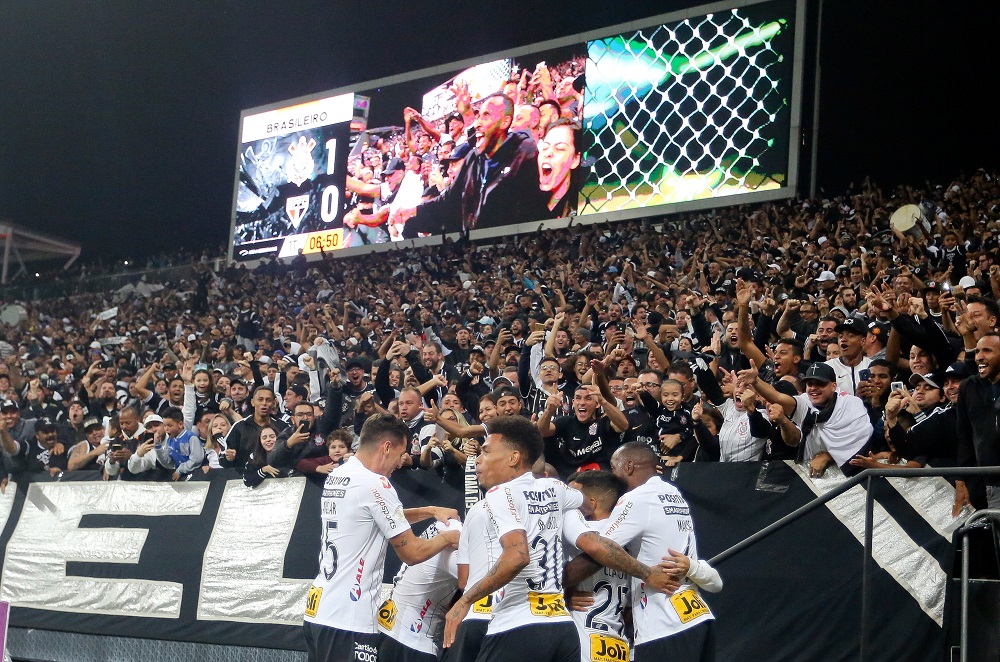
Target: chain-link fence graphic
x: 686, y: 111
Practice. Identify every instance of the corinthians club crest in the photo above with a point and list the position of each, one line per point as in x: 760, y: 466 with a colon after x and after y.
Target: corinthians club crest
x: 300, y: 167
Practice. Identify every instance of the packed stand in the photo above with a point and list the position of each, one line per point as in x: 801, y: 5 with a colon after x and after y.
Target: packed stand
x: 810, y: 330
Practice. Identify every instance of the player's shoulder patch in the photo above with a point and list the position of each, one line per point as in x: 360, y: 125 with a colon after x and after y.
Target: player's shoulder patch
x: 493, y: 489
x: 385, y: 483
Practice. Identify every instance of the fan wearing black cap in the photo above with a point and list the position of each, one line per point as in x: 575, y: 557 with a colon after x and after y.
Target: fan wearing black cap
x: 91, y: 453
x: 42, y: 452
x: 834, y: 425
x: 20, y: 428
x: 852, y: 334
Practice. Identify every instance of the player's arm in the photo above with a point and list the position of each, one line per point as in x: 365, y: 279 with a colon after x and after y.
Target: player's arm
x: 414, y: 515
x: 513, y: 559
x: 463, y: 575
x: 412, y: 550
x: 611, y: 555
x: 454, y: 428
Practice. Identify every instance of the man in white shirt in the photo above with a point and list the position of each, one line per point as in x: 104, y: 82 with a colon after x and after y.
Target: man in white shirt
x: 851, y: 335
x: 833, y: 425
x: 361, y: 515
x: 526, y: 580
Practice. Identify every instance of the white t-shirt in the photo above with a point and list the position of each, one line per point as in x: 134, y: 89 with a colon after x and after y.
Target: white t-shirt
x: 535, y: 506
x: 360, y: 514
x: 654, y: 518
x: 421, y: 594
x: 735, y: 441
x: 843, y: 435
x: 476, y: 549
x: 848, y: 377
x: 601, y: 628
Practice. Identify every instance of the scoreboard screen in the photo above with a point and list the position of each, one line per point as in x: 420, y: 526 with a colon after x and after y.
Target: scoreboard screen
x: 685, y: 111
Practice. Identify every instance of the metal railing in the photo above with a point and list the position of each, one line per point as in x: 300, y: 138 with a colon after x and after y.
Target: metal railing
x: 866, y: 477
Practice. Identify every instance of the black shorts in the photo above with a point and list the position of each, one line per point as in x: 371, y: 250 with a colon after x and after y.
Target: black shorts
x: 390, y: 650
x: 326, y: 644
x: 558, y: 642
x: 468, y: 641
x: 695, y: 644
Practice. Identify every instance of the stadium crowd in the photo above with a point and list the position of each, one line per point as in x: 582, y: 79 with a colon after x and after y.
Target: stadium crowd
x: 815, y: 331
x: 769, y: 332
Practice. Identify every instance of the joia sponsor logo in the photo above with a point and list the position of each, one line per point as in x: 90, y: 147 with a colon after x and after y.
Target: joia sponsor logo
x: 356, y: 589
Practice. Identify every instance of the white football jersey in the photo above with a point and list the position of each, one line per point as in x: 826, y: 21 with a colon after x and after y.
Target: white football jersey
x: 414, y: 613
x: 601, y: 628
x: 650, y: 520
x: 360, y: 513
x: 477, y: 550
x: 535, y: 506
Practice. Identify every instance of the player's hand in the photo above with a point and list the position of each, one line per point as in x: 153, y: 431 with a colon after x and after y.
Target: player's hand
x: 451, y: 537
x: 443, y: 514
x: 579, y: 600
x: 454, y: 618
x: 680, y: 564
x: 661, y: 579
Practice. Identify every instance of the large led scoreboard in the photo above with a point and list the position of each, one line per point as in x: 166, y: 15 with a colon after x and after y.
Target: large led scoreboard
x: 685, y: 111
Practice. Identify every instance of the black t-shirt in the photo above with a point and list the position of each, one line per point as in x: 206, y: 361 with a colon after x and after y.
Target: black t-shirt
x: 32, y: 458
x: 577, y: 444
x: 641, y: 427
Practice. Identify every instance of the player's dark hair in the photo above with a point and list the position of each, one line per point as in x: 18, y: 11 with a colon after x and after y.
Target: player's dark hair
x: 520, y: 433
x: 380, y: 427
x: 604, y: 486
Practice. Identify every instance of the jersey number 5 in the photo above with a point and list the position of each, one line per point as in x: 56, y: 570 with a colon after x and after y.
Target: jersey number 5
x: 328, y: 554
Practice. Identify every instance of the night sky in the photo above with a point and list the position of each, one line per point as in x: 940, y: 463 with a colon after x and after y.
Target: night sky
x: 119, y: 120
